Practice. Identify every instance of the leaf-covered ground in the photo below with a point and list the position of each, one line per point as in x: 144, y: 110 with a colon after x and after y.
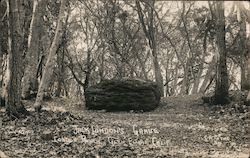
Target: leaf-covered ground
x: 180, y: 127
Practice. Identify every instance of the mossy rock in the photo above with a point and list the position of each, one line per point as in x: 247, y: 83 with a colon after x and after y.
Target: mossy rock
x: 123, y: 95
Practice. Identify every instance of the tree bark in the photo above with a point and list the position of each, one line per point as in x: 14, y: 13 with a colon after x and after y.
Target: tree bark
x: 248, y: 57
x: 61, y: 71
x: 198, y: 77
x: 208, y: 77
x: 12, y: 90
x: 175, y: 82
x: 186, y: 79
x: 48, y: 70
x: 248, y: 67
x: 30, y: 83
x: 221, y: 89
x: 88, y: 71
x: 60, y: 63
x: 197, y: 80
x: 167, y: 93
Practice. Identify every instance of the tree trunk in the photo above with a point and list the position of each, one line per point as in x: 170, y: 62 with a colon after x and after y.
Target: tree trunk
x: 248, y: 67
x: 61, y: 65
x: 157, y: 71
x: 12, y: 90
x: 149, y: 31
x: 142, y: 65
x: 198, y: 77
x: 102, y: 65
x: 61, y: 70
x: 221, y: 89
x: 48, y: 70
x: 248, y: 58
x: 30, y: 83
x: 197, y: 81
x: 167, y: 93
x: 3, y: 39
x: 243, y: 76
x: 88, y: 71
x: 208, y: 77
x: 175, y: 82
x: 185, y: 81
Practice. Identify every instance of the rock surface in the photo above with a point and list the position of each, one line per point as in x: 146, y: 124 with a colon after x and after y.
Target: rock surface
x: 123, y: 95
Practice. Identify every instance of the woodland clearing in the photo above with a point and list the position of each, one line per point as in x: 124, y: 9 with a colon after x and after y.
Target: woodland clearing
x: 180, y: 127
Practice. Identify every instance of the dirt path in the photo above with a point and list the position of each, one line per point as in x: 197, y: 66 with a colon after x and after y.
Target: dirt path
x: 181, y: 127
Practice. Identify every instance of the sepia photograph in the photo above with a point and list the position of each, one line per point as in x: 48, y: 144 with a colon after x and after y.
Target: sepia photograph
x: 124, y: 79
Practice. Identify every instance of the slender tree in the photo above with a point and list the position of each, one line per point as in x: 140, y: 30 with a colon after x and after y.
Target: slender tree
x: 48, y: 69
x: 30, y: 83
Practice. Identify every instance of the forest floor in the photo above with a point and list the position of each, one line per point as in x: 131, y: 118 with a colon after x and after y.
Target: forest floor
x: 180, y: 127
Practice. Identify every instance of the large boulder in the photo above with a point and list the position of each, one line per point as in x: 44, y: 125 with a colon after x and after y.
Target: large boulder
x: 123, y: 95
